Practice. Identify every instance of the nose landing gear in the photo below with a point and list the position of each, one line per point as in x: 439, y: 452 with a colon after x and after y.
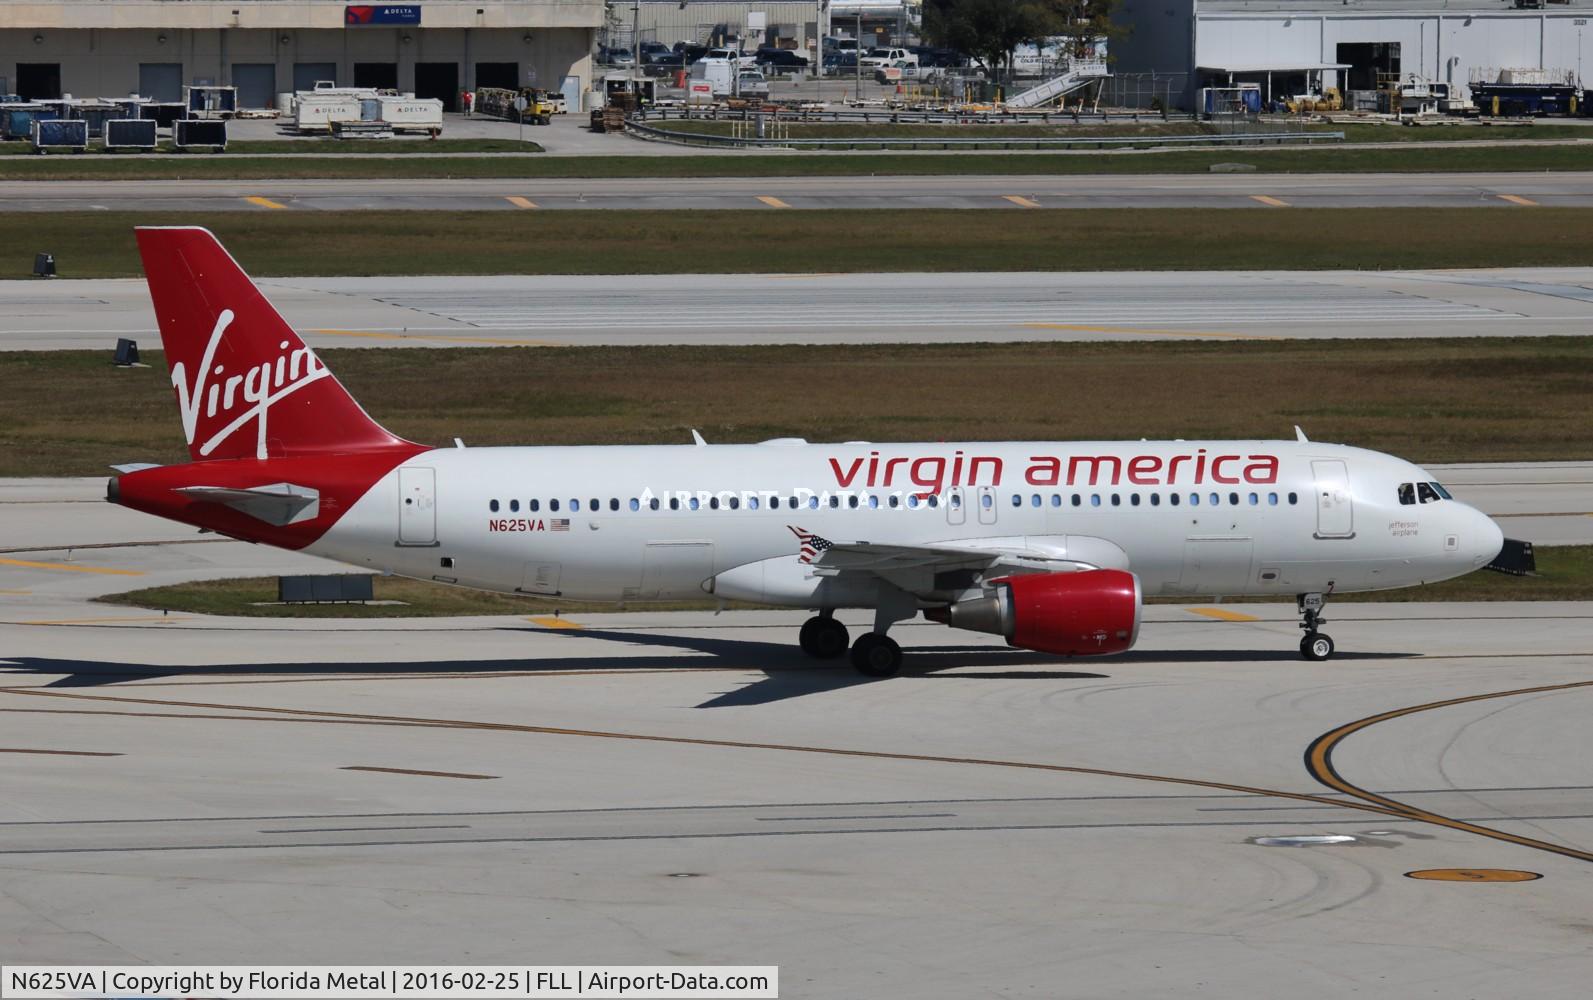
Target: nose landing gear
x: 1314, y: 645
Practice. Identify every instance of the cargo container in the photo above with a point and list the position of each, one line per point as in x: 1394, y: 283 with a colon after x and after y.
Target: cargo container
x: 58, y: 133
x: 316, y: 112
x: 408, y: 113
x: 16, y: 120
x: 137, y: 134
x: 195, y: 133
x: 210, y: 103
x: 162, y: 113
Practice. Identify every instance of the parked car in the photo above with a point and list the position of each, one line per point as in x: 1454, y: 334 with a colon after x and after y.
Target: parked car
x: 937, y: 58
x: 887, y: 56
x: 840, y: 60
x: 779, y: 58
x: 897, y: 72
x: 652, y: 50
x: 611, y: 55
x: 750, y: 83
x: 690, y: 52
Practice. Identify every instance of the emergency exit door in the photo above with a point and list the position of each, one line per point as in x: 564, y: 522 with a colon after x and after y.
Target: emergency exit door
x: 417, y: 506
x: 1335, y: 507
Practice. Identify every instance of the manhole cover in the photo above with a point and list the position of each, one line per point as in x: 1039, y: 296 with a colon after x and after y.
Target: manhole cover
x: 1304, y: 841
x: 1473, y: 875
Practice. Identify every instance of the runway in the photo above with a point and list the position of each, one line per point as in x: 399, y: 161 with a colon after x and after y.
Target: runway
x: 844, y: 308
x: 1258, y: 191
x: 641, y: 787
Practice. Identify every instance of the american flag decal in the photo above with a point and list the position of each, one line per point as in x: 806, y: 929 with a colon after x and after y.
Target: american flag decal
x: 812, y: 544
x: 559, y: 524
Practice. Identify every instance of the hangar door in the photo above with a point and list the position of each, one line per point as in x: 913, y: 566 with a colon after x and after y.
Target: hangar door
x: 39, y: 81
x: 305, y: 74
x: 256, y: 83
x: 161, y: 81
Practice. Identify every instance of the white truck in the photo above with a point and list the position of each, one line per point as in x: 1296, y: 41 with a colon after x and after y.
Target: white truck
x: 719, y: 68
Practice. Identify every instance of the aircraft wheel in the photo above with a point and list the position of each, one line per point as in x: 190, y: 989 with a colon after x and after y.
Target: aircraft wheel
x: 1316, y: 646
x: 823, y: 638
x: 876, y: 655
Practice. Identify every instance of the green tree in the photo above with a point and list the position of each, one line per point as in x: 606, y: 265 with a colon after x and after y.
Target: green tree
x: 989, y: 30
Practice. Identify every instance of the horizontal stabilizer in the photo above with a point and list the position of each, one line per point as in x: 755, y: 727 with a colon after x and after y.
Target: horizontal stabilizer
x: 134, y: 467
x: 279, y: 504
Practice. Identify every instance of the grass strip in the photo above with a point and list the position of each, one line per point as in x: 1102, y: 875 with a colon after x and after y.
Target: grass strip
x: 1398, y: 158
x: 1565, y: 573
x: 101, y: 244
x: 1464, y: 399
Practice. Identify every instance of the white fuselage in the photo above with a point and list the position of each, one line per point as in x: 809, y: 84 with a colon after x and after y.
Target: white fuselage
x: 640, y: 523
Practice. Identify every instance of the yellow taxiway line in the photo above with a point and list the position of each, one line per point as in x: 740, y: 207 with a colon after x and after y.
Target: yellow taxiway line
x: 25, y: 564
x: 1516, y: 199
x: 1223, y: 614
x: 264, y: 202
x: 1137, y: 332
x: 1021, y: 201
x: 548, y: 621
x: 519, y: 202
x: 772, y: 201
x: 1269, y: 200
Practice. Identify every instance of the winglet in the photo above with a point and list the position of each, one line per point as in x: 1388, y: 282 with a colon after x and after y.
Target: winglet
x: 1299, y: 435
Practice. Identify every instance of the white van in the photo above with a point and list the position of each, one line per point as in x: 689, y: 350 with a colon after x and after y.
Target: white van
x: 719, y: 68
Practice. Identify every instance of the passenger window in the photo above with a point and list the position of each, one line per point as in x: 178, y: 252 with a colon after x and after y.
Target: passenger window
x: 813, y: 502
x: 735, y: 503
x: 693, y: 503
x: 752, y: 503
x: 635, y: 504
x: 534, y: 506
x: 1272, y: 499
x: 1194, y: 499
x: 674, y: 503
x: 1095, y: 499
x: 1133, y: 499
x: 912, y: 500
x: 1215, y: 500
x: 1254, y: 499
x: 873, y: 502
x: 835, y: 501
x: 1172, y: 498
x: 1156, y: 499
x: 1077, y: 500
x: 956, y: 500
x: 514, y: 506
x: 1117, y: 501
x: 851, y: 501
x: 713, y: 503
x: 984, y: 501
x: 652, y: 504
x: 1233, y: 499
x: 553, y: 505
x: 1034, y: 500
x: 575, y: 505
x: 1017, y: 500
x: 596, y: 504
x: 934, y: 500
x: 492, y: 505
x: 1294, y: 498
x: 613, y: 503
x: 896, y: 501
x: 1056, y: 499
x: 1426, y: 493
x: 1407, y: 494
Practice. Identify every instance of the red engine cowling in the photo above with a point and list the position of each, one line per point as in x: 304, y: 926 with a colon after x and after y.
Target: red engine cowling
x: 1089, y: 613
x: 1092, y: 613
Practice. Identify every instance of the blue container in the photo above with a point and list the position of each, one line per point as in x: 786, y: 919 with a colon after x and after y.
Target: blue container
x: 16, y: 120
x: 56, y: 133
x: 130, y: 133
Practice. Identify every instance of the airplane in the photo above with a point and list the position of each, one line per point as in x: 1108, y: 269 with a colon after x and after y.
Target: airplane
x: 1053, y: 546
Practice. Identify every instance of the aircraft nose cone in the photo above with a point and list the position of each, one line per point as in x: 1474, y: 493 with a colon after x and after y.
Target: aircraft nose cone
x: 1489, y: 540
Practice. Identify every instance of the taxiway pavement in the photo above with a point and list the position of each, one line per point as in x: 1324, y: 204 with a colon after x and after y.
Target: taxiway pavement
x: 641, y: 787
x: 1260, y: 192
x: 844, y: 308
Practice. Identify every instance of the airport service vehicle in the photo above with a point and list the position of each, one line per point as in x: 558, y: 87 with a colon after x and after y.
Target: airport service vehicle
x: 1052, y: 545
x: 751, y: 83
x: 878, y: 57
x: 719, y: 69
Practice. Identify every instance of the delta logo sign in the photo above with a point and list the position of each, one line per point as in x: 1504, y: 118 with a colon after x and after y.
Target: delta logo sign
x: 381, y: 15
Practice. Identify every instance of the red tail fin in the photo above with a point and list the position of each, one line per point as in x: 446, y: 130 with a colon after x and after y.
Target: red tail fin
x: 246, y: 385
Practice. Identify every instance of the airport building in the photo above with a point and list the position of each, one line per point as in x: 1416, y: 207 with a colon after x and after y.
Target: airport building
x: 1174, y: 47
x: 789, y: 24
x: 437, y: 48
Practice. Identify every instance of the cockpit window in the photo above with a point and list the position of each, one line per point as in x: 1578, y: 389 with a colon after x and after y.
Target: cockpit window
x: 1407, y: 494
x: 1427, y: 494
x: 1441, y: 491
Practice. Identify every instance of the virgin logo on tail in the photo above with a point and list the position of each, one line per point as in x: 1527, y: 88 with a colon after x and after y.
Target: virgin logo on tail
x: 258, y: 387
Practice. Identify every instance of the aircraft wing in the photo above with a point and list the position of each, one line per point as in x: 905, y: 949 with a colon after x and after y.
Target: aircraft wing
x: 950, y: 567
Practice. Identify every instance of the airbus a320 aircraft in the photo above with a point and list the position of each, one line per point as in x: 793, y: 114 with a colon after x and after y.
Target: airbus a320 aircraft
x: 1052, y: 545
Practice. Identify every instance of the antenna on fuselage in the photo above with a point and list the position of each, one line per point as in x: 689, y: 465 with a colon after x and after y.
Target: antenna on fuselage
x: 697, y: 439
x: 1299, y: 435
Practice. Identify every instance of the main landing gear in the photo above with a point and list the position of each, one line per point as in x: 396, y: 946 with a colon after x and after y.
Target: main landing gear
x: 823, y: 638
x: 1314, y: 645
x: 873, y: 654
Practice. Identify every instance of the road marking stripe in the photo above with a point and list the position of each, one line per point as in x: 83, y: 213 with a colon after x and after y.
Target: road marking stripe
x: 1269, y: 200
x: 102, y: 621
x: 1223, y: 614
x: 70, y: 569
x: 1516, y: 199
x: 440, y: 337
x: 519, y: 202
x: 425, y: 774
x: 772, y: 201
x: 18, y: 593
x: 264, y: 202
x: 547, y: 621
x: 1136, y: 331
x: 1021, y: 201
x: 62, y: 753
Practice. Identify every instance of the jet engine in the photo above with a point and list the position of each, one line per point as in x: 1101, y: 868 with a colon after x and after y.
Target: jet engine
x: 1088, y: 613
